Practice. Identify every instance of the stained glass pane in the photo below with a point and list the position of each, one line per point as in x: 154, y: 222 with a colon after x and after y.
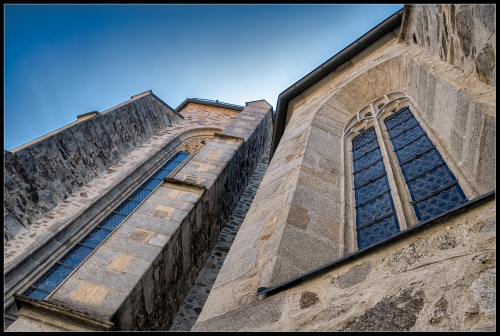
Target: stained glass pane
x: 76, y: 255
x: 371, y: 211
x: 54, y: 277
x: 402, y: 128
x: 112, y: 221
x: 364, y: 176
x: 364, y: 137
x: 162, y: 173
x: 408, y: 136
x: 378, y: 232
x: 429, y: 182
x: 398, y: 117
x: 151, y: 183
x: 95, y: 237
x: 367, y: 160
x: 140, y: 194
x: 372, y: 190
x: 414, y: 149
x: 424, y: 163
x: 36, y: 294
x: 440, y: 203
x: 127, y: 207
x: 433, y: 188
x: 364, y: 149
x: 374, y: 208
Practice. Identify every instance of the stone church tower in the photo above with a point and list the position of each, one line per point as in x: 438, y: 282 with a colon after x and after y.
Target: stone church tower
x: 376, y: 212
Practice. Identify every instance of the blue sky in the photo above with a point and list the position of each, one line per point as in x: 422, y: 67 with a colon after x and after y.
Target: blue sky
x: 64, y: 60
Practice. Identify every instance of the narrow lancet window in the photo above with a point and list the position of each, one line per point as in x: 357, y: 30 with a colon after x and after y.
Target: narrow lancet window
x: 66, y: 265
x: 375, y: 213
x: 432, y: 186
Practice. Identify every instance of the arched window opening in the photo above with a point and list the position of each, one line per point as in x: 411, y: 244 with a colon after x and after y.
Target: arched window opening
x: 66, y: 265
x: 433, y: 187
x: 375, y: 213
x: 393, y: 189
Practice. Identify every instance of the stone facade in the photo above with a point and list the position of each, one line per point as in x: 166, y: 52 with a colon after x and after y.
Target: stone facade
x: 295, y: 264
x: 164, y: 243
x: 302, y: 217
x: 43, y: 173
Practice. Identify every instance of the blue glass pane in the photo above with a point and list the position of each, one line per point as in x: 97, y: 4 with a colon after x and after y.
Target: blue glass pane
x: 440, y: 203
x: 112, y: 221
x: 182, y: 156
x: 402, y: 128
x: 140, y: 195
x: 364, y: 176
x: 407, y: 137
x: 54, y: 277
x: 424, y: 173
x: 420, y: 165
x: 364, y: 137
x: 367, y: 160
x: 372, y: 190
x: 430, y: 182
x: 378, y: 232
x: 397, y: 118
x: 58, y: 273
x: 151, y: 183
x: 365, y: 149
x: 76, y: 255
x: 127, y: 207
x: 95, y: 237
x: 162, y: 173
x: 36, y: 294
x: 415, y: 148
x: 369, y: 212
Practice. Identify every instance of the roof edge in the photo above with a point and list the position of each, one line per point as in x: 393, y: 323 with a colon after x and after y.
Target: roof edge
x: 325, y: 69
x: 209, y: 102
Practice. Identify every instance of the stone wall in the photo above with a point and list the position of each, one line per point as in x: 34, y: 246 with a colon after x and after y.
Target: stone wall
x: 31, y: 251
x: 140, y: 275
x: 302, y: 216
x: 462, y: 35
x: 44, y: 172
x: 441, y: 278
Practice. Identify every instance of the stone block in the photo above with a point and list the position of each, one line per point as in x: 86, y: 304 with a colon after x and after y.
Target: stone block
x: 238, y: 264
x: 154, y: 224
x: 114, y: 300
x: 249, y: 317
x: 137, y: 267
x: 120, y: 262
x: 133, y: 248
x: 90, y: 293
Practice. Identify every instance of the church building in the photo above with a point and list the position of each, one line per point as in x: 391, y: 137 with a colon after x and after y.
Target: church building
x: 376, y: 211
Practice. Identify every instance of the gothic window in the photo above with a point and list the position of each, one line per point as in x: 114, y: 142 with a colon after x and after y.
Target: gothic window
x: 71, y: 260
x: 433, y: 187
x: 420, y: 183
x: 375, y: 213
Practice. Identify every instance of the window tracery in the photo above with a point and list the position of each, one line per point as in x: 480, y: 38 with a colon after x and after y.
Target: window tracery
x: 66, y: 265
x: 399, y: 178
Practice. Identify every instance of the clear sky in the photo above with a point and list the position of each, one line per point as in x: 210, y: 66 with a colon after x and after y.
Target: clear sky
x: 64, y: 60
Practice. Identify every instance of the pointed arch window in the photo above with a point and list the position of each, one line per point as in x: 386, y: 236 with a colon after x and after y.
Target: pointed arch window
x: 433, y: 187
x: 420, y: 181
x: 66, y: 265
x: 375, y: 213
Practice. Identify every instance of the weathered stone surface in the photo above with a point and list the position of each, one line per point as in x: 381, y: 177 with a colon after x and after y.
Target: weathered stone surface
x: 54, y: 167
x: 254, y: 315
x: 355, y: 275
x: 397, y: 313
x: 486, y: 65
x: 464, y: 29
x: 308, y: 299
